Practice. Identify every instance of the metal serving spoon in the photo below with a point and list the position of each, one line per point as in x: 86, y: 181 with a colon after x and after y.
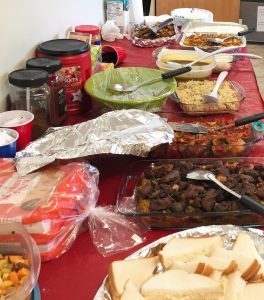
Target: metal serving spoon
x: 241, y: 33
x: 128, y: 89
x: 202, y: 57
x: 246, y: 200
x: 212, y: 97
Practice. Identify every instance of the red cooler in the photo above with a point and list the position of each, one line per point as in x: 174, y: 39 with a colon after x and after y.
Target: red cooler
x: 76, y: 60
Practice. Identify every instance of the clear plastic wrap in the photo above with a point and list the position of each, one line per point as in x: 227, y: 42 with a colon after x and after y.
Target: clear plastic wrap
x: 52, y: 204
x: 148, y: 97
x: 112, y: 232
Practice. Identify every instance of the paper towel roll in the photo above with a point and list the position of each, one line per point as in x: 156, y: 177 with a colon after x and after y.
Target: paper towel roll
x: 136, y: 14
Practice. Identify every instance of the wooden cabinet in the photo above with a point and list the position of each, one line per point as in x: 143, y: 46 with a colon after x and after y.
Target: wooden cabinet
x: 223, y: 10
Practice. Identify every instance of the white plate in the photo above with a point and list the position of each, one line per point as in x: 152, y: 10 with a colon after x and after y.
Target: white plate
x: 230, y: 233
x: 183, y: 15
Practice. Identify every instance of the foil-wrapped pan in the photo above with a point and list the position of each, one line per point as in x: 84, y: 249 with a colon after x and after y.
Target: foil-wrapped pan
x: 148, y: 43
x: 125, y: 132
x: 228, y: 232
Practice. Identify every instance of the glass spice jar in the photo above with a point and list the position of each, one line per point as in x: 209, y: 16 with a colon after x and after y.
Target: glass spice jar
x: 29, y: 91
x: 56, y: 82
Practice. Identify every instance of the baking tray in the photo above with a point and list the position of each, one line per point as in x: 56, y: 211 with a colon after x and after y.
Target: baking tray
x: 166, y: 219
x: 210, y: 48
x: 228, y: 232
x: 220, y: 27
x: 230, y: 142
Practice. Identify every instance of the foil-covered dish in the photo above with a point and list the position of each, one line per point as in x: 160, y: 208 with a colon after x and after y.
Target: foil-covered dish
x: 124, y: 132
x: 229, y: 234
x: 143, y: 36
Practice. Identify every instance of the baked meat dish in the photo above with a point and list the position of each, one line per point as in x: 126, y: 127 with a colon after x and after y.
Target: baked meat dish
x: 164, y: 188
x: 144, y: 32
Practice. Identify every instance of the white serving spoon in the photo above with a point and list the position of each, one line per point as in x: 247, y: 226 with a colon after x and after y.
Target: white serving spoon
x: 212, y: 97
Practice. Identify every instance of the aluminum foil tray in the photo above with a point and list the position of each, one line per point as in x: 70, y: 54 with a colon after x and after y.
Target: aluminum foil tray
x: 229, y: 232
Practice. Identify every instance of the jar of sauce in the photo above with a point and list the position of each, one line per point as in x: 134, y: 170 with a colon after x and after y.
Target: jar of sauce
x: 56, y: 82
x: 29, y: 91
x: 93, y: 30
x: 76, y: 67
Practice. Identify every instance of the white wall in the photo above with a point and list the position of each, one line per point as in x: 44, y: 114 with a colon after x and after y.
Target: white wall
x: 26, y: 23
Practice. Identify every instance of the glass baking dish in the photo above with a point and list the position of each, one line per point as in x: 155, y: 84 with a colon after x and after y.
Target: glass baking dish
x: 229, y: 142
x: 205, y: 108
x: 225, y: 210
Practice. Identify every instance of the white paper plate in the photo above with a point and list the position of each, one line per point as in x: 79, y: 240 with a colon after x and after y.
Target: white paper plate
x: 183, y: 15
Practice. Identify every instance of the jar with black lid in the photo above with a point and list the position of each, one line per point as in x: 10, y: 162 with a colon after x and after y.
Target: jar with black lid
x: 56, y: 82
x: 77, y: 68
x: 29, y: 91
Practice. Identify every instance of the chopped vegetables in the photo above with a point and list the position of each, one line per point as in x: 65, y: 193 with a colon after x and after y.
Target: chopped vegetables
x: 14, y: 271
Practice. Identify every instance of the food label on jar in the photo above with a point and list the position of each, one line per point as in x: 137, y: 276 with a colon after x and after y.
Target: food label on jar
x: 73, y: 84
x: 61, y: 102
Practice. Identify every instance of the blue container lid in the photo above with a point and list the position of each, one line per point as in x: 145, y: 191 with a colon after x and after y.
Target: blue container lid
x: 35, y: 295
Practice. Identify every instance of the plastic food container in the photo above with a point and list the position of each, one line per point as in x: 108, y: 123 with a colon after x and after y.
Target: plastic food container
x: 76, y: 60
x: 93, y: 30
x: 223, y: 62
x: 201, y: 71
x: 226, y: 105
x: 229, y: 142
x: 191, y: 40
x: 14, y: 240
x: 8, y: 138
x: 182, y: 16
x: 175, y: 215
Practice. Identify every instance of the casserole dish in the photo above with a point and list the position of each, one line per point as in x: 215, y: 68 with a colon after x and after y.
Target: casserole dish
x: 229, y: 142
x: 189, y: 96
x: 150, y: 193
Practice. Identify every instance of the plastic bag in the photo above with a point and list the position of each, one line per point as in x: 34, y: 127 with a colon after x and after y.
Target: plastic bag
x: 53, y: 203
x: 112, y: 232
x: 110, y: 31
x: 50, y: 203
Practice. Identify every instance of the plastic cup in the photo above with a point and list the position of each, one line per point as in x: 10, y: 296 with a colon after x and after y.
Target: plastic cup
x: 112, y: 54
x: 20, y: 121
x: 8, y: 149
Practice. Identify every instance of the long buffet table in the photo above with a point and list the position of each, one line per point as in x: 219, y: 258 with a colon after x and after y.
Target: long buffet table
x: 80, y: 271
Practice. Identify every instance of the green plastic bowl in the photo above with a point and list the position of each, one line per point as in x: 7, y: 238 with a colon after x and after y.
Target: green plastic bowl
x: 148, y: 97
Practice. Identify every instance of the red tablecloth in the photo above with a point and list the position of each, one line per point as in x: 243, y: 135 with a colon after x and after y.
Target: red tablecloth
x: 79, y: 272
